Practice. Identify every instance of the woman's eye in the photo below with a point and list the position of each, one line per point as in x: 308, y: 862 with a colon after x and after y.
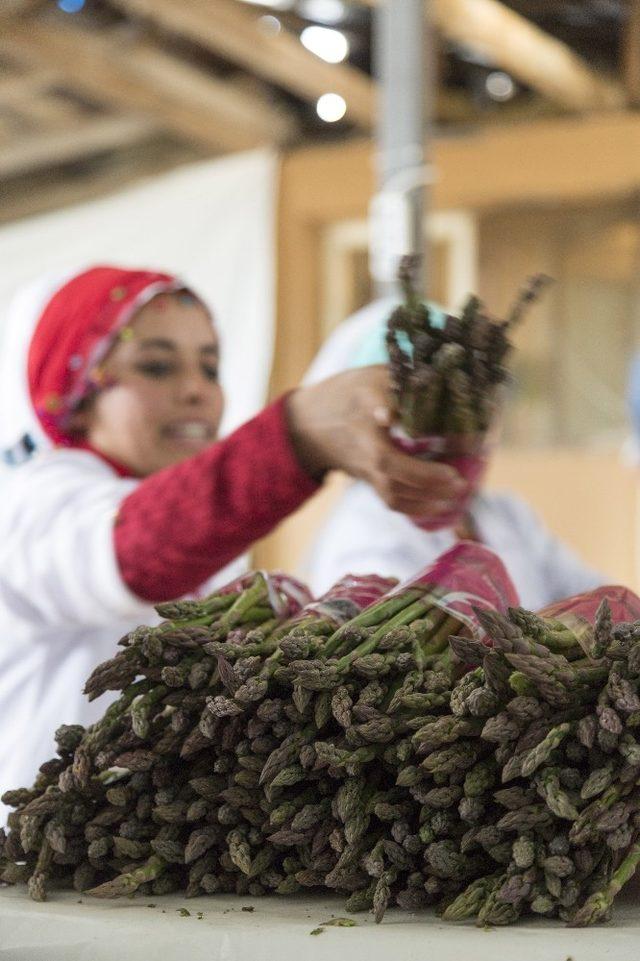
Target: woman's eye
x: 210, y: 372
x: 155, y: 369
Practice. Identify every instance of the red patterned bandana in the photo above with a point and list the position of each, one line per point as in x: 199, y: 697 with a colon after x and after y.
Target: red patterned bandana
x: 74, y: 334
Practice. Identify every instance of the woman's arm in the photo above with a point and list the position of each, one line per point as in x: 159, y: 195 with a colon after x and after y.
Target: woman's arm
x: 186, y: 522
x: 181, y: 525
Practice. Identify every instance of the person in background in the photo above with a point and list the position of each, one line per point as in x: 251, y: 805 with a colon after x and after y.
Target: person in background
x: 120, y: 495
x: 363, y: 534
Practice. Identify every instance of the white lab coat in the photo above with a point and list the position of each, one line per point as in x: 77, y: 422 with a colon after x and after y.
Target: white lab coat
x: 362, y: 535
x: 63, y: 603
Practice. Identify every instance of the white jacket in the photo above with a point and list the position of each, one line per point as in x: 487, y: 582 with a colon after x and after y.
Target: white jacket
x: 63, y: 603
x: 362, y: 536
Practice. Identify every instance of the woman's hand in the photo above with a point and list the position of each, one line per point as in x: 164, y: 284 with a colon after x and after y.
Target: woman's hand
x: 342, y: 423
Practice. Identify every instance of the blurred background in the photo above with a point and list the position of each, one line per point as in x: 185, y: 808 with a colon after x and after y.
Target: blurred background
x: 234, y: 142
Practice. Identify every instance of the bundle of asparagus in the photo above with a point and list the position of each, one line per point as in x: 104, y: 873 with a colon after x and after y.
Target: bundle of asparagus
x: 126, y: 789
x: 445, y: 376
x: 423, y: 786
x: 356, y: 757
x: 189, y: 781
x: 560, y: 800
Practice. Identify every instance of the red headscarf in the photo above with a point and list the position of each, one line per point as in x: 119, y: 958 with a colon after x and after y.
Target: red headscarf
x: 75, y: 332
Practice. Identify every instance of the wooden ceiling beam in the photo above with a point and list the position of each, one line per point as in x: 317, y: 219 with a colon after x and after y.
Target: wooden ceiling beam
x: 182, y: 99
x: 15, y: 90
x: 40, y: 191
x: 533, y: 57
x: 232, y: 32
x: 526, y: 52
x: 631, y: 54
x: 10, y: 9
x: 252, y: 116
x: 51, y: 149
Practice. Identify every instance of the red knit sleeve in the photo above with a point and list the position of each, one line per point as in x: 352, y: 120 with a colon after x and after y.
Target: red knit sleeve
x: 181, y: 525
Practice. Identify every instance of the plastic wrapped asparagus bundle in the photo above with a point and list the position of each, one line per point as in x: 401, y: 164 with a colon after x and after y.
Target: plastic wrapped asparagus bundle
x: 471, y: 805
x: 406, y: 808
x: 208, y: 701
x: 559, y: 803
x: 330, y: 707
x: 352, y: 705
x: 121, y: 795
x: 446, y: 379
x: 277, y: 775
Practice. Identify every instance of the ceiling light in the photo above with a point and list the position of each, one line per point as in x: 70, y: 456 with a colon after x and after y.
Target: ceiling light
x: 500, y: 86
x: 270, y: 25
x: 274, y: 4
x: 323, y: 11
x: 330, y: 45
x: 331, y: 107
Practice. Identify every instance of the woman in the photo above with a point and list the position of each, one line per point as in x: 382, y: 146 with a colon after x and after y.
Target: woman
x: 363, y: 534
x: 119, y: 495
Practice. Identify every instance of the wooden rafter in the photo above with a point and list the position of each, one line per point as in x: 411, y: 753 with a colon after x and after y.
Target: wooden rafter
x: 10, y: 9
x: 40, y: 190
x: 527, y: 52
x: 533, y: 57
x: 631, y: 54
x: 181, y: 98
x: 93, y: 137
x: 231, y: 32
x: 15, y: 90
x: 252, y: 113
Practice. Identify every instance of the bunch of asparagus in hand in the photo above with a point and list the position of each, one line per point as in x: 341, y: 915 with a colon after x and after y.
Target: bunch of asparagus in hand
x: 445, y: 375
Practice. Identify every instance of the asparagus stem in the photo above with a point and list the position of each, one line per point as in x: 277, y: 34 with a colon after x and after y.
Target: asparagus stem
x: 130, y: 882
x: 405, y: 616
x: 597, y: 906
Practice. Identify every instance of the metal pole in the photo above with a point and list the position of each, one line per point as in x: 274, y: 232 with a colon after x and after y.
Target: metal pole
x: 400, y: 56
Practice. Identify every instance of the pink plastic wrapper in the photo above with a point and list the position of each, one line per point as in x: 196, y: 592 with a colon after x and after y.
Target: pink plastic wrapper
x: 287, y: 595
x: 348, y: 596
x: 466, y: 453
x: 466, y: 576
x: 578, y: 613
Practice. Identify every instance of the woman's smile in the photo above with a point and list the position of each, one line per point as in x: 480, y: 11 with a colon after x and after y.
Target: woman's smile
x: 192, y: 432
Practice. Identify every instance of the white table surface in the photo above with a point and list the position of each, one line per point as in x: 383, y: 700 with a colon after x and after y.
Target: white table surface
x: 278, y: 929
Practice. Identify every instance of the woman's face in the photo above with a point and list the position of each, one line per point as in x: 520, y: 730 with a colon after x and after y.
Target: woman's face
x: 162, y: 401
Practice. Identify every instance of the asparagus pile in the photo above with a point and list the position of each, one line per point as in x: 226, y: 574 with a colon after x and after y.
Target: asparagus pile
x: 445, y: 377
x: 562, y: 802
x: 189, y: 782
x: 359, y: 758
